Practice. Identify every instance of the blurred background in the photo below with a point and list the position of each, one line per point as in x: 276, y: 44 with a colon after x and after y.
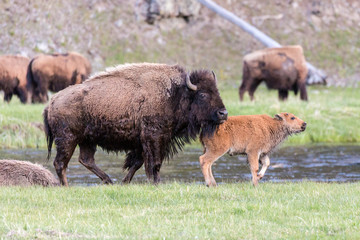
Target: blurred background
x: 185, y: 32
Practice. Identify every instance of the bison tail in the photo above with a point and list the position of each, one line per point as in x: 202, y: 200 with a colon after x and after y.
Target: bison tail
x: 48, y: 132
x: 30, y: 81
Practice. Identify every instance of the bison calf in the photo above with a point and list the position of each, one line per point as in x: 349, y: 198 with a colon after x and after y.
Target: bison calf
x: 282, y: 68
x: 253, y: 135
x: 14, y: 172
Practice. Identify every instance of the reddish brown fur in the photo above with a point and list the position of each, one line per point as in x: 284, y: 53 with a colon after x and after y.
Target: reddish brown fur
x: 56, y: 72
x: 14, y: 172
x: 281, y: 68
x: 147, y: 110
x: 253, y: 135
x: 13, y: 77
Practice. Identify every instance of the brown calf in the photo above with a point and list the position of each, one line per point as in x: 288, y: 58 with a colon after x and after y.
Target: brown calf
x: 14, y: 172
x: 253, y: 135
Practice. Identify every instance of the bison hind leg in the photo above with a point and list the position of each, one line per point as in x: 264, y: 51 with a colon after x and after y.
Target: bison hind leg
x: 64, y: 151
x: 133, y: 162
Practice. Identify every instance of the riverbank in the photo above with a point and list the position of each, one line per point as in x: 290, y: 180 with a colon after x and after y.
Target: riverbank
x: 182, y: 211
x: 331, y: 113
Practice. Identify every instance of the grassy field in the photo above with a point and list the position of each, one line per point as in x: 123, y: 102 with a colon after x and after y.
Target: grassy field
x: 332, y: 115
x: 304, y: 210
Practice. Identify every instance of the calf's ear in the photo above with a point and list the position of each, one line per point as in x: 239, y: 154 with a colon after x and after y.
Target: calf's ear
x: 278, y: 117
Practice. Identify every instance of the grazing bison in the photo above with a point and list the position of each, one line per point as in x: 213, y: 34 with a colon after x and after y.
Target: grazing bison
x: 148, y: 110
x: 14, y: 172
x: 56, y: 72
x: 281, y: 68
x: 253, y: 135
x: 13, y: 77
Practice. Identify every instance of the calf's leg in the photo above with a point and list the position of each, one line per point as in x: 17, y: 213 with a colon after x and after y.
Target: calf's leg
x: 206, y: 162
x: 265, y: 161
x: 87, y: 159
x: 253, y: 160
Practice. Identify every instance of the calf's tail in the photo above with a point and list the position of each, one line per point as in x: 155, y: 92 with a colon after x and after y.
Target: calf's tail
x: 48, y: 132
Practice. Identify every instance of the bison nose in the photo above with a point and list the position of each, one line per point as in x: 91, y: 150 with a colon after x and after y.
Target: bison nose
x: 303, y: 126
x: 222, y: 114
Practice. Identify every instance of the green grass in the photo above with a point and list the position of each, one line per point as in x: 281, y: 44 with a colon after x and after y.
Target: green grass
x: 332, y: 115
x: 305, y: 210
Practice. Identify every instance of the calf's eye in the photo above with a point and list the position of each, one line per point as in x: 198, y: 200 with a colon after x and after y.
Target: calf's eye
x: 292, y: 118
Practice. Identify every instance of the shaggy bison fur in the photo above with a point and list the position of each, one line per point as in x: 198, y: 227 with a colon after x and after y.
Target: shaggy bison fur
x: 253, y: 135
x: 56, y: 72
x: 282, y: 68
x: 13, y: 77
x: 14, y: 172
x: 147, y: 110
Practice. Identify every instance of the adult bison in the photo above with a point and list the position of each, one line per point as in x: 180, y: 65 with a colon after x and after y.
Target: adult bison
x: 13, y: 77
x: 56, y: 72
x: 148, y: 110
x: 281, y: 68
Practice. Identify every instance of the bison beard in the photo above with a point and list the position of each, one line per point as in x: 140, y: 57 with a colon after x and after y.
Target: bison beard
x: 148, y: 127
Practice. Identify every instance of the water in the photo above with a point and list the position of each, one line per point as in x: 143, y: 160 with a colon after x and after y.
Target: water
x: 321, y: 163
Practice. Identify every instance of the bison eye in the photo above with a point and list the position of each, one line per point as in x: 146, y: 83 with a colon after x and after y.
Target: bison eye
x: 203, y: 95
x: 293, y: 118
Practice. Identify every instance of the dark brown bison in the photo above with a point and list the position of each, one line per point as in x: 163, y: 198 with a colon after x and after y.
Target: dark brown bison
x: 56, y: 72
x: 13, y: 77
x: 280, y: 68
x: 14, y: 172
x: 148, y: 110
x: 253, y: 135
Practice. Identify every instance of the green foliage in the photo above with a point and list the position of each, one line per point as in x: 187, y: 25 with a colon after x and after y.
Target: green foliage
x: 304, y: 210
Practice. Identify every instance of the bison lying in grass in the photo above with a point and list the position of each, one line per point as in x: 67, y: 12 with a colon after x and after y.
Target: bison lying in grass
x: 253, y: 135
x: 14, y: 172
x: 147, y: 110
x: 282, y: 68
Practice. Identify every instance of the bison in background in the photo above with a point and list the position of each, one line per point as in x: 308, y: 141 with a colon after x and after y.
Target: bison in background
x: 147, y: 110
x: 280, y: 68
x: 56, y: 72
x: 13, y: 77
x: 23, y: 173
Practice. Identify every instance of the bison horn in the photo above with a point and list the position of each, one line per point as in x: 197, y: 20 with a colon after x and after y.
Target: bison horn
x: 189, y: 84
x: 214, y: 76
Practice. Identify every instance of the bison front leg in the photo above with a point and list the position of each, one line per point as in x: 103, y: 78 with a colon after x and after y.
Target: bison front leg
x: 283, y: 94
x: 152, y: 155
x: 265, y: 161
x: 303, y: 93
x: 8, y: 97
x: 87, y: 159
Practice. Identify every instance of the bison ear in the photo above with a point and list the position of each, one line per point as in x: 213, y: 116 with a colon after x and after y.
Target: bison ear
x: 278, y: 117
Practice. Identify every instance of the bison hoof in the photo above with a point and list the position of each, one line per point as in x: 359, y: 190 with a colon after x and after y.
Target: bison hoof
x: 260, y: 176
x: 107, y: 181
